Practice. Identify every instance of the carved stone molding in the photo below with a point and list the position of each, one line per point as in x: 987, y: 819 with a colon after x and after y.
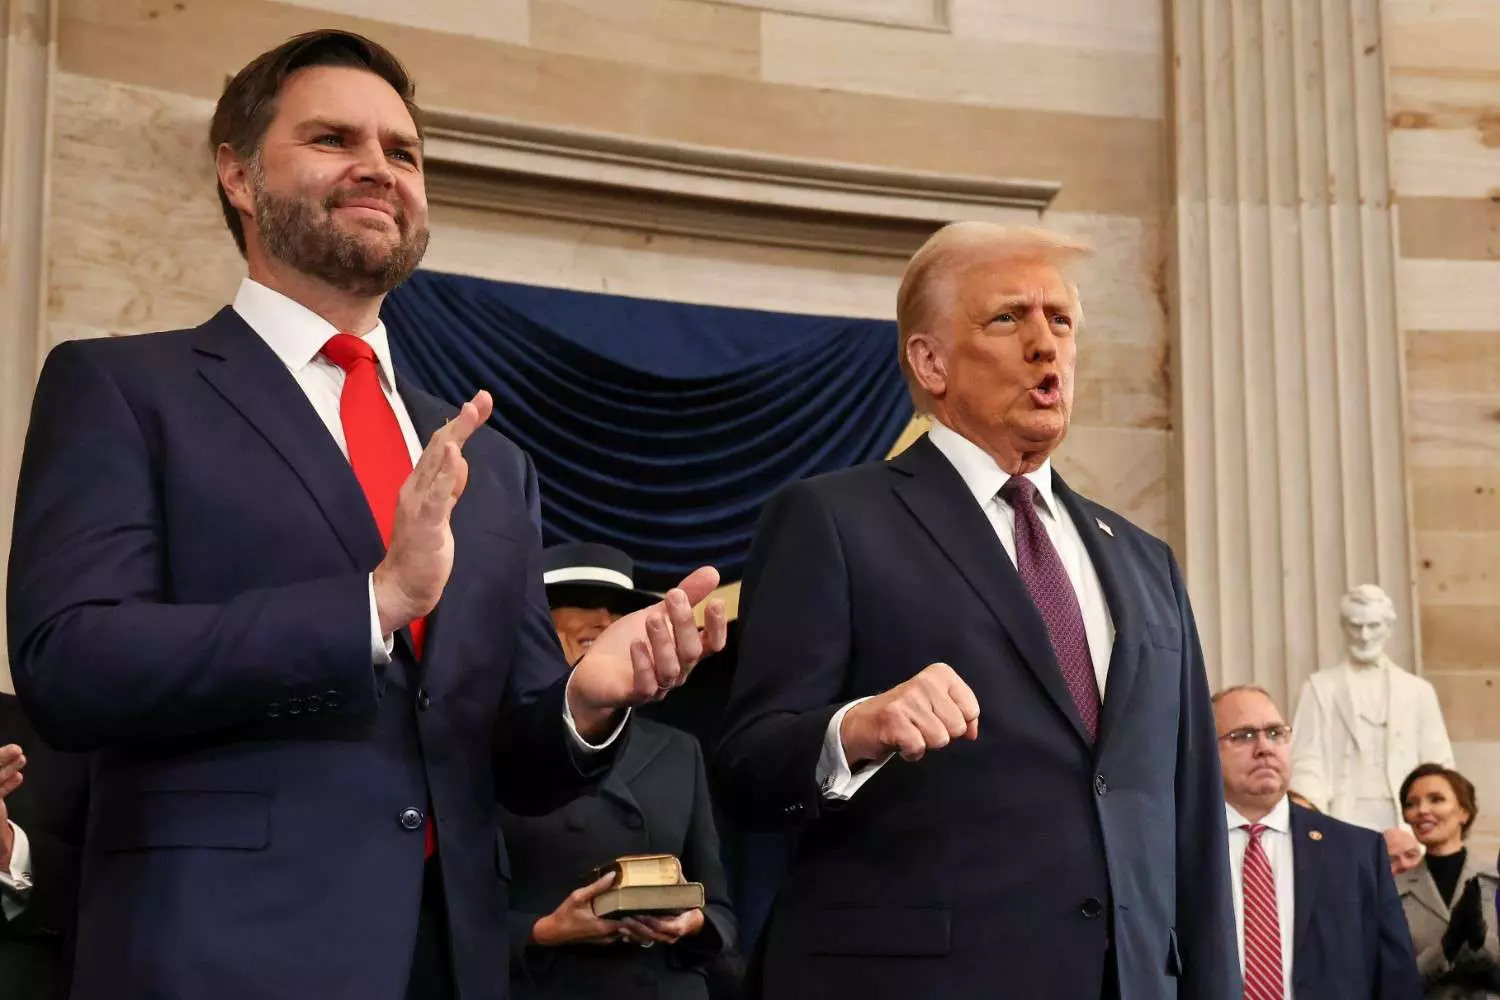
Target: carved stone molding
x: 28, y: 58
x: 1288, y: 380
x: 669, y: 187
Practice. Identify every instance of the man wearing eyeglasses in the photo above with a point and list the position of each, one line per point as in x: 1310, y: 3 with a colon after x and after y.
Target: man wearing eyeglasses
x: 1316, y: 910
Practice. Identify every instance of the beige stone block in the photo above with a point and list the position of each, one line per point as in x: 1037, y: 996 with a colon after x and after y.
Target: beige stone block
x: 922, y: 14
x: 961, y: 69
x: 1126, y: 470
x: 1441, y: 98
x: 1449, y: 36
x: 1450, y: 228
x: 502, y: 20
x: 1453, y: 362
x: 684, y: 36
x: 192, y: 50
x: 137, y: 239
x: 1446, y: 162
x: 1450, y: 294
x: 1456, y: 499
x: 1118, y: 26
x: 1479, y: 761
x: 1459, y: 567
x: 1471, y: 703
x: 1453, y: 432
x: 1460, y: 637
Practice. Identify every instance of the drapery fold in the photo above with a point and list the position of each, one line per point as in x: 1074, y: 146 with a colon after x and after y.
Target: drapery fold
x: 657, y: 427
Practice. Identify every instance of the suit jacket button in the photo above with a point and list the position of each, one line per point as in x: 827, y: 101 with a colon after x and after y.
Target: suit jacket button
x: 1100, y: 785
x: 294, y: 706
x: 634, y: 821
x: 424, y: 700
x: 312, y: 703
x: 795, y: 809
x: 330, y: 700
x: 1091, y: 908
x: 411, y: 818
x: 273, y: 710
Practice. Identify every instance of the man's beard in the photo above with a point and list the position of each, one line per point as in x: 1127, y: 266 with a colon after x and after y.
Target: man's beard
x: 295, y: 233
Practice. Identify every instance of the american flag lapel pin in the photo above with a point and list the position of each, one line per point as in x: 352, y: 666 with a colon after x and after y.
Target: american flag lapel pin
x: 1104, y: 527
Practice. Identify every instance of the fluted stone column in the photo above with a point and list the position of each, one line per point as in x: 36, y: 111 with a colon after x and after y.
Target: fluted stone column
x: 27, y: 64
x: 1287, y: 368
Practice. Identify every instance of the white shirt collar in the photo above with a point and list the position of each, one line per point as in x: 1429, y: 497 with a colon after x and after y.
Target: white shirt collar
x: 1278, y: 819
x: 296, y: 333
x: 980, y: 473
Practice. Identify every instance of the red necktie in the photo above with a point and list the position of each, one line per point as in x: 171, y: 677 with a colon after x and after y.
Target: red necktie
x: 377, y: 450
x: 1264, y: 979
x: 1041, y: 570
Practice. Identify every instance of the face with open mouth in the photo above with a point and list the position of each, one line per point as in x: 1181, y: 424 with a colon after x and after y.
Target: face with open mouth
x: 1433, y: 812
x: 1006, y: 375
x: 577, y: 628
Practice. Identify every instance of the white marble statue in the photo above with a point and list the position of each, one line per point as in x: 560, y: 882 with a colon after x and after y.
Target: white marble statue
x: 1364, y: 724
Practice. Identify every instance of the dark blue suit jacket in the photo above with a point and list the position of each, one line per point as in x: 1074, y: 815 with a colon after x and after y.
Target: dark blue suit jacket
x: 1004, y: 867
x: 188, y: 596
x: 1349, y: 936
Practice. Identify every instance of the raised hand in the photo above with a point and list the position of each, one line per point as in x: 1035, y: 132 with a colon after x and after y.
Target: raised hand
x: 644, y: 655
x: 573, y: 922
x: 925, y: 713
x: 411, y: 577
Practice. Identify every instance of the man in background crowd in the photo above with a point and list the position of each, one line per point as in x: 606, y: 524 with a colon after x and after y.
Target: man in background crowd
x: 1316, y: 911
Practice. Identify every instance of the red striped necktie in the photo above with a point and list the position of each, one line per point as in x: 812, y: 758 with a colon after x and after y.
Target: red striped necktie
x: 377, y: 451
x: 1264, y: 979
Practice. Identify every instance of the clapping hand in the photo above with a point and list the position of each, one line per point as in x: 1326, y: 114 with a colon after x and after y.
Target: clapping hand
x: 12, y: 760
x: 645, y: 655
x: 1466, y: 924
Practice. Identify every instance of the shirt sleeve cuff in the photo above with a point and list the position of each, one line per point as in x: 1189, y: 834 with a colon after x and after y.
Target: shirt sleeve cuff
x: 834, y: 777
x: 381, y: 646
x: 577, y: 737
x: 15, y: 884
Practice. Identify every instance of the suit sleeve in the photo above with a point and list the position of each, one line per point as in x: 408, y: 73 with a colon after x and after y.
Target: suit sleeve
x: 1205, y: 913
x: 538, y: 766
x: 100, y: 653
x: 1396, y: 976
x: 794, y: 655
x: 1309, y: 778
x: 701, y: 862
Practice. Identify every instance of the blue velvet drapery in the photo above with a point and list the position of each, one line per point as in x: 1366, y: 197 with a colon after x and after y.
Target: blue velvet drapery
x: 657, y: 427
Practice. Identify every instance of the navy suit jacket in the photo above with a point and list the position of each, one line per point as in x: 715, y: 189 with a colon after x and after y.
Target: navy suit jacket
x: 1349, y: 936
x: 1003, y: 867
x: 188, y: 597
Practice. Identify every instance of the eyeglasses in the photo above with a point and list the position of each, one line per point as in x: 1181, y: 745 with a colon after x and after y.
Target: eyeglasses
x: 1277, y: 735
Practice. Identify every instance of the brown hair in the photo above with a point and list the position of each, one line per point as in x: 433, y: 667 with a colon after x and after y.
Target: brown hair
x: 1463, y: 789
x: 919, y: 296
x: 249, y: 102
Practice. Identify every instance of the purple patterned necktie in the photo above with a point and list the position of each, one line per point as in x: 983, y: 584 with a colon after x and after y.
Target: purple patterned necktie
x: 1042, y: 572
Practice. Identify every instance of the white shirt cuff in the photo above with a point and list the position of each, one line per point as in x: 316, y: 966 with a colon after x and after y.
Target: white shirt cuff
x: 381, y: 646
x: 578, y: 739
x: 834, y: 777
x: 15, y: 884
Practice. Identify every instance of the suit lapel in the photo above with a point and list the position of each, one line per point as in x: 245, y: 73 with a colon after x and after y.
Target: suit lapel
x: 932, y: 490
x: 1418, y: 884
x: 1307, y: 862
x: 644, y: 746
x: 1116, y: 578
x: 247, y: 373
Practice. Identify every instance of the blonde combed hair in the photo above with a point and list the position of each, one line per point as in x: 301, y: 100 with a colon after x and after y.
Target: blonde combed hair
x: 920, y: 297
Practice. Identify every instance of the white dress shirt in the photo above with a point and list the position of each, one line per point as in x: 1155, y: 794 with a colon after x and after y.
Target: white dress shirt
x: 15, y: 884
x: 984, y: 478
x: 1276, y: 839
x: 297, y: 335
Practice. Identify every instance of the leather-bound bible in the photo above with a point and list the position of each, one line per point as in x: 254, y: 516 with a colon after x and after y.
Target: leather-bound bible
x: 646, y: 884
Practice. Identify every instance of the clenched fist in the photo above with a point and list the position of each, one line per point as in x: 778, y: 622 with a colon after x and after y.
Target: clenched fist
x: 925, y: 713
